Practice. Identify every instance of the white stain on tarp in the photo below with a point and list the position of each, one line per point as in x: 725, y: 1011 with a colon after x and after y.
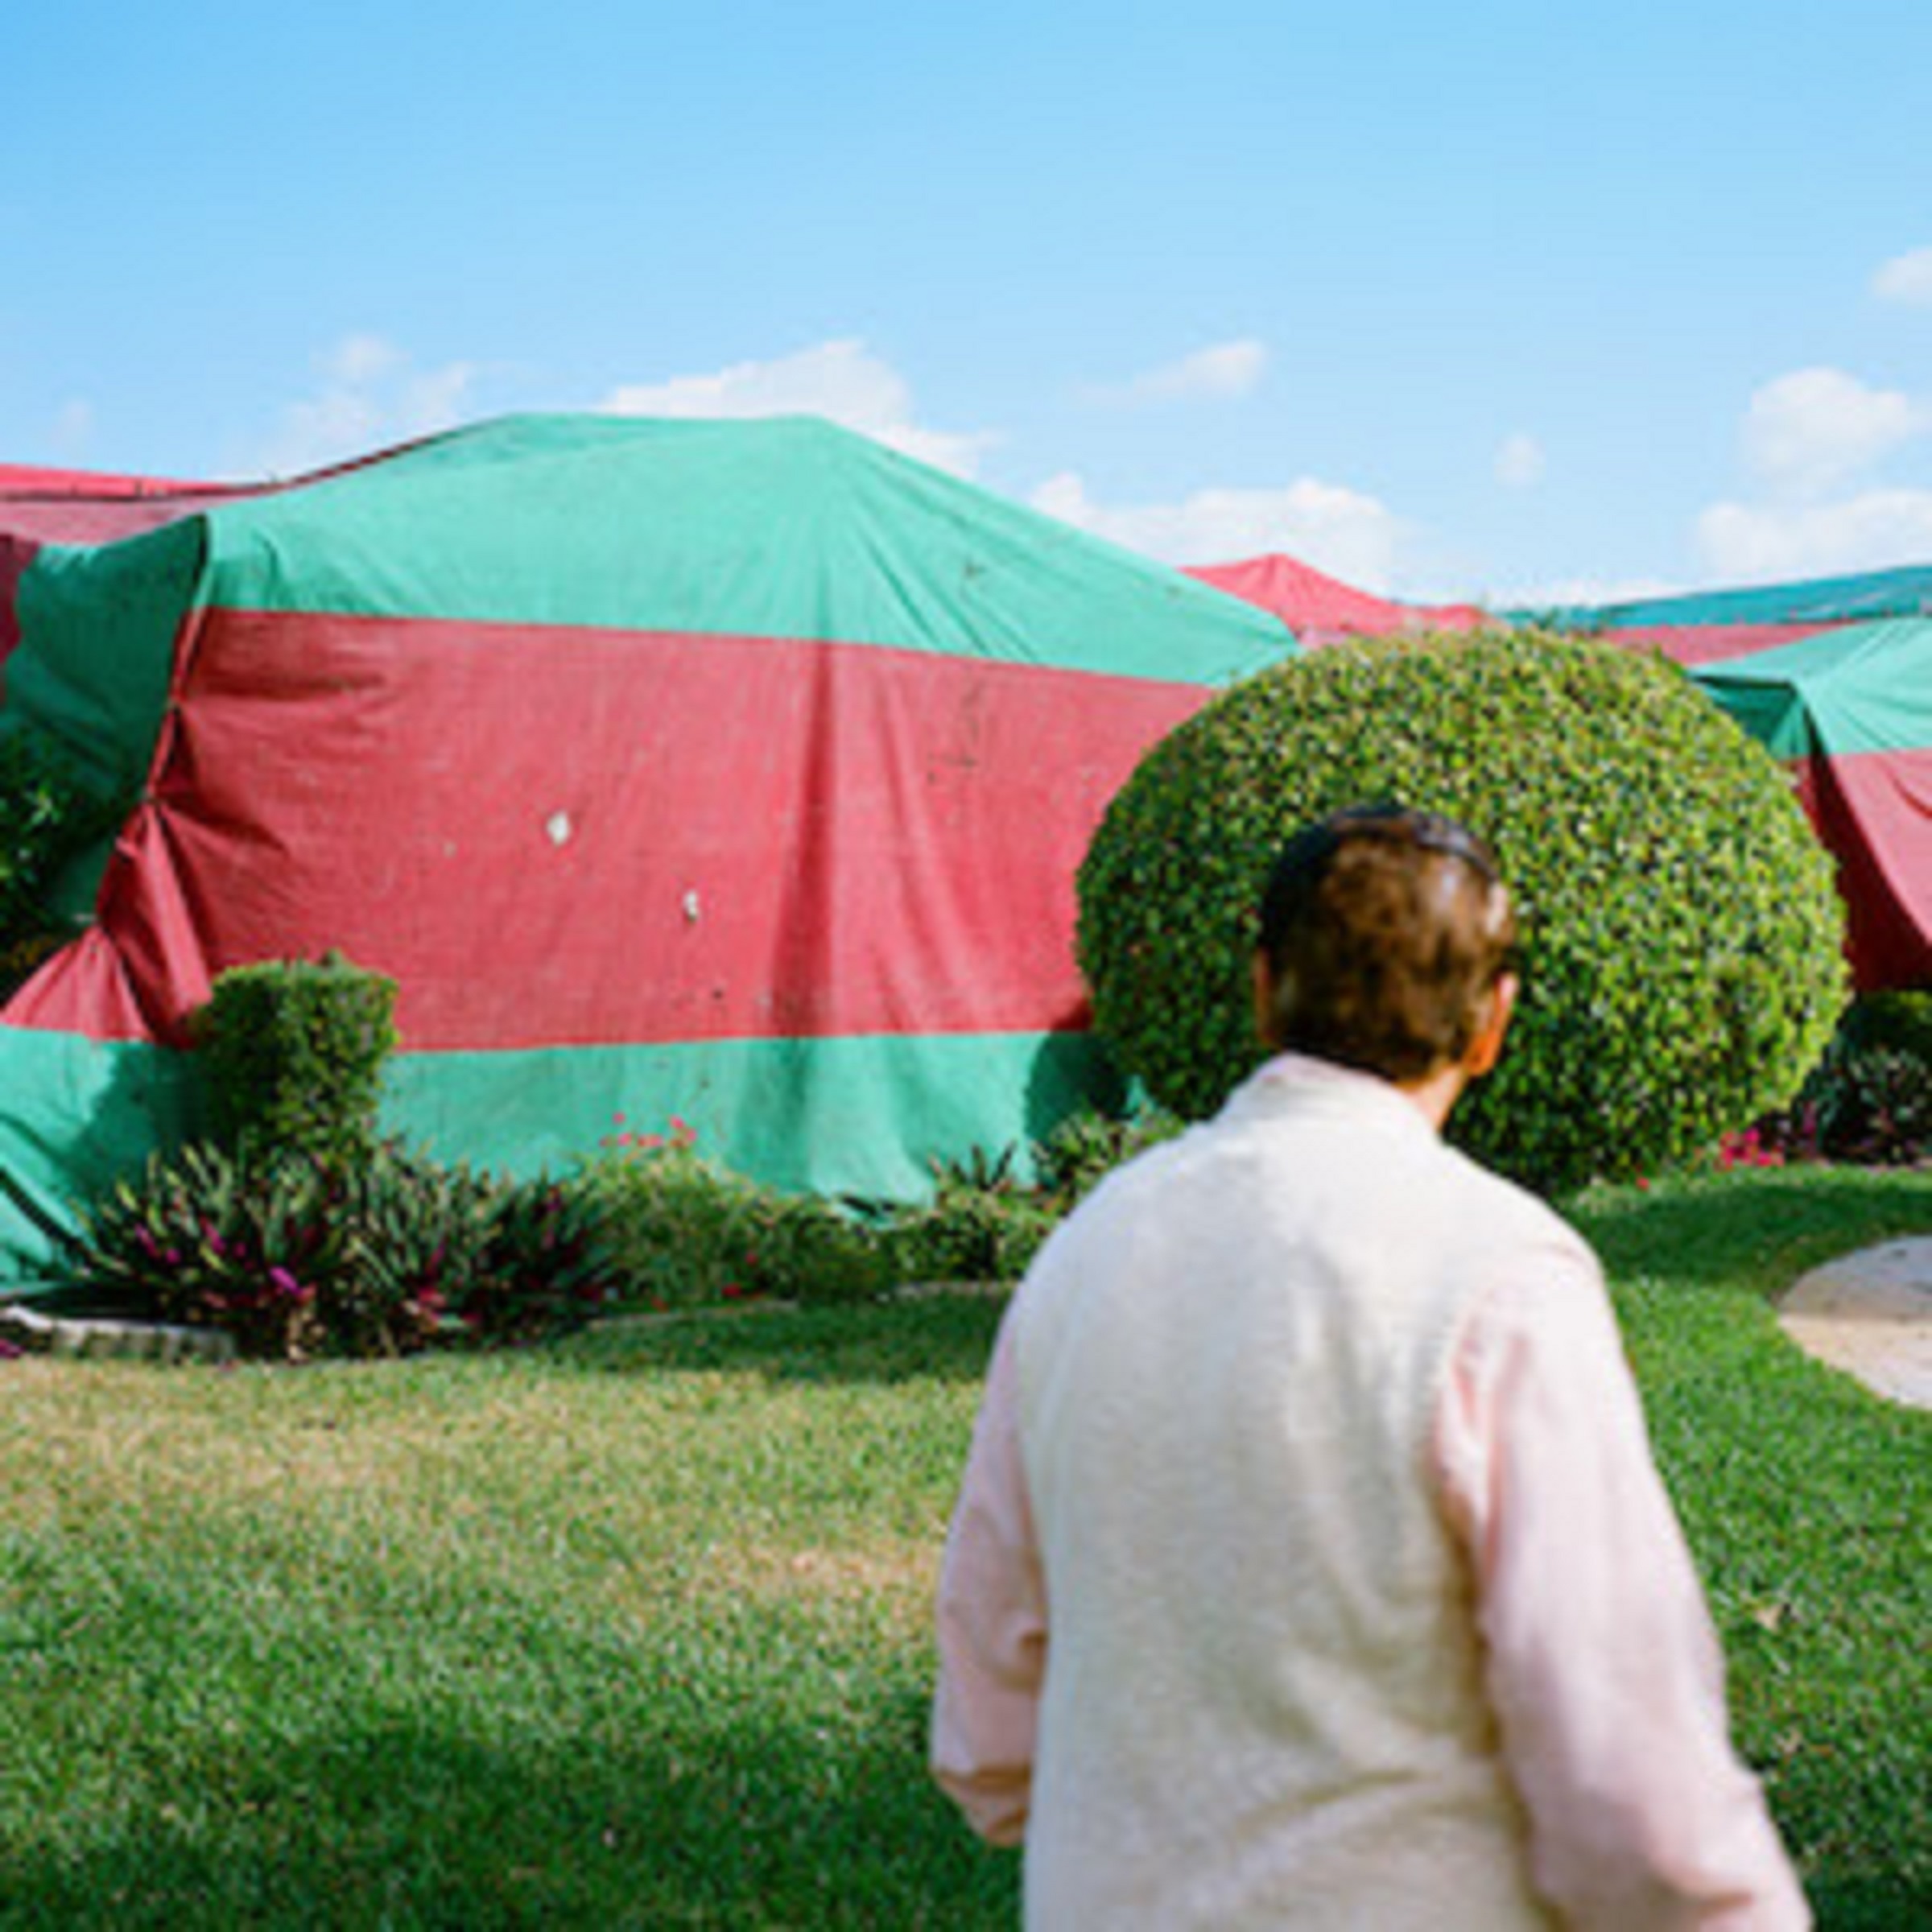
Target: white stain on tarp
x: 557, y: 827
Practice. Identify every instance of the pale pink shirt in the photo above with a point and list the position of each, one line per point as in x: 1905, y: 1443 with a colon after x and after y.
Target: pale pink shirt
x: 1604, y: 1669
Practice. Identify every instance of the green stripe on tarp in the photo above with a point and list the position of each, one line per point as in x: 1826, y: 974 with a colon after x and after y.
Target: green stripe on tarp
x: 861, y: 1115
x: 1905, y: 592
x: 786, y: 528
x: 78, y: 1113
x: 1842, y: 693
x: 96, y: 648
x: 864, y: 1116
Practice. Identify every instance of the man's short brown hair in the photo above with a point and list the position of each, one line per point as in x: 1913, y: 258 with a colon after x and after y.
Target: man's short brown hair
x: 1384, y: 929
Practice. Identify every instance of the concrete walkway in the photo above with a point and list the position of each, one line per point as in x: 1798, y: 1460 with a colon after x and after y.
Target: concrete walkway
x: 1871, y: 1314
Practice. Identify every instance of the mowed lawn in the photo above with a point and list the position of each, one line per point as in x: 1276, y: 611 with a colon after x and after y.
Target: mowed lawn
x: 633, y: 1630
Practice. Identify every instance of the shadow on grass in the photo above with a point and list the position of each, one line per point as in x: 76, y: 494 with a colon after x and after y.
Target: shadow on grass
x: 1759, y: 1228
x: 1755, y: 1229
x: 409, y: 1828
x: 945, y: 1338
x: 401, y: 1827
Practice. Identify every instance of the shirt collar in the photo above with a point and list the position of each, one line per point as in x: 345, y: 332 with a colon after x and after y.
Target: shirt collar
x: 1300, y: 1078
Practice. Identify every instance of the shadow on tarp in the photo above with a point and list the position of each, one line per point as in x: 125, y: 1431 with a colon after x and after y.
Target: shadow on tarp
x: 75, y: 1115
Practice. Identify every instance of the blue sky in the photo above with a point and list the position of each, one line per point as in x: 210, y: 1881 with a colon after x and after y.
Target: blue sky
x: 1489, y: 299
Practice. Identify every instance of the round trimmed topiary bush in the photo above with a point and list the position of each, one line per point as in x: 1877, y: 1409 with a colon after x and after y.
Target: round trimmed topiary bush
x: 1682, y: 932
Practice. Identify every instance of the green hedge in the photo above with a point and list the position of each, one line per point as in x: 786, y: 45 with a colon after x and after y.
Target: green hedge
x: 1683, y: 933
x: 293, y: 1053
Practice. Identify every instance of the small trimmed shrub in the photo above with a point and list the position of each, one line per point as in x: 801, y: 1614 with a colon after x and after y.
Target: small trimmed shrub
x: 981, y: 1225
x: 684, y: 1233
x: 1086, y: 1147
x: 1682, y: 930
x: 679, y: 1228
x: 817, y: 1252
x: 293, y: 1054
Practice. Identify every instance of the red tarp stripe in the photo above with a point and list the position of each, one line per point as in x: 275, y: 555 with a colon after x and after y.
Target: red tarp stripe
x: 559, y: 837
x: 1321, y: 609
x: 1716, y: 643
x: 1874, y: 812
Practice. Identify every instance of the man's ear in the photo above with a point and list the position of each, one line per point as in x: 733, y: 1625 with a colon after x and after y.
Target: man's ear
x: 1486, y: 1049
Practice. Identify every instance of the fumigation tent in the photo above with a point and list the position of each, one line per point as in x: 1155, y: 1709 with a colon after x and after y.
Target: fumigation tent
x: 736, y: 773
x: 43, y: 506
x: 1834, y: 677
x: 1321, y: 609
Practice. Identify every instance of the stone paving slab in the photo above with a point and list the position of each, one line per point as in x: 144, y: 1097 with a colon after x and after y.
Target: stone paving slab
x: 1871, y: 1314
x: 90, y: 1339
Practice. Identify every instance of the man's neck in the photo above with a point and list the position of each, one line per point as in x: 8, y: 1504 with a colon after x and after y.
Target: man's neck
x: 1436, y: 1093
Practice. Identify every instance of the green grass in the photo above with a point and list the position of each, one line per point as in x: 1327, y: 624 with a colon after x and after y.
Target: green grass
x: 632, y: 1630
x: 1809, y: 1503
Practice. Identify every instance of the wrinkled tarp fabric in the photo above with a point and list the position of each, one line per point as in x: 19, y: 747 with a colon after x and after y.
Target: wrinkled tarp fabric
x: 40, y: 507
x: 739, y: 772
x: 1835, y: 678
x: 1320, y: 610
x: 556, y: 837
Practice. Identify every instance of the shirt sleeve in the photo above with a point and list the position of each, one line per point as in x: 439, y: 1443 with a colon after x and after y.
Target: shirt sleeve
x: 992, y: 1619
x: 1603, y: 1665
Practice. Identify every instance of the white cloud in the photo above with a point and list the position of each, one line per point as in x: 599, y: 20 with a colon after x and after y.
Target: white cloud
x: 436, y: 398
x: 1811, y: 430
x: 1339, y: 530
x: 357, y: 361
x: 1520, y: 462
x: 842, y: 380
x: 1766, y: 543
x: 73, y: 429
x: 1565, y: 593
x: 371, y: 396
x: 1906, y: 278
x: 1223, y: 369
